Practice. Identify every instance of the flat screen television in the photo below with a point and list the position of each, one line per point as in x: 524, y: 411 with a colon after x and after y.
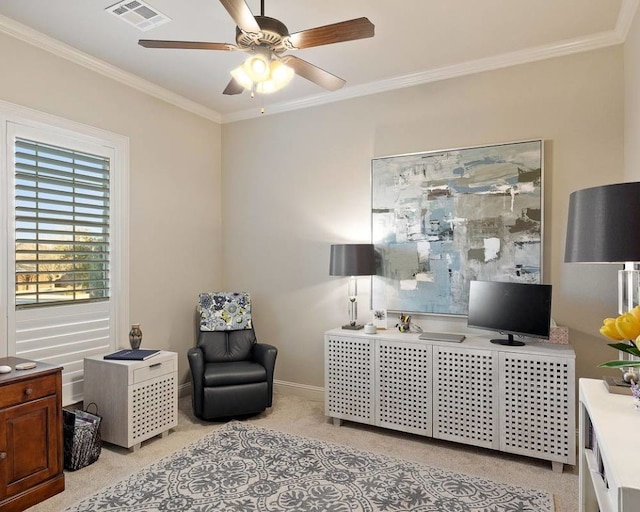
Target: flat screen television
x: 514, y: 309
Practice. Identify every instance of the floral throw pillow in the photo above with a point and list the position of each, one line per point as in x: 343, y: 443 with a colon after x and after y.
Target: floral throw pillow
x: 224, y: 311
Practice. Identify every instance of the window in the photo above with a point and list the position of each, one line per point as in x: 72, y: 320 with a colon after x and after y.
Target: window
x: 63, y: 243
x: 61, y: 225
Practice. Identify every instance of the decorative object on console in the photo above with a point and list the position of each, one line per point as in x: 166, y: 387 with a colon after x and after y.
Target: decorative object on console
x: 625, y: 329
x: 442, y: 218
x: 379, y: 318
x: 635, y: 392
x: 602, y: 228
x: 135, y: 336
x: 352, y: 260
x: 558, y: 334
x: 370, y: 329
x: 404, y: 323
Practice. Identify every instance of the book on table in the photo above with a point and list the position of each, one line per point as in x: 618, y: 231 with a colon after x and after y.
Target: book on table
x: 132, y: 355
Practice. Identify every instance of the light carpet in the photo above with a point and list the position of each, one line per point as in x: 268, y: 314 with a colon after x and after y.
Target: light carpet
x: 240, y: 468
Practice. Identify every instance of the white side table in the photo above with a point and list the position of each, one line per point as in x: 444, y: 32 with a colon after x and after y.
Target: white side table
x: 609, y: 463
x: 136, y: 399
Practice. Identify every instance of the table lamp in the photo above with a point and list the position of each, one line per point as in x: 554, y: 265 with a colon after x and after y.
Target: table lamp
x: 604, y: 227
x: 352, y: 260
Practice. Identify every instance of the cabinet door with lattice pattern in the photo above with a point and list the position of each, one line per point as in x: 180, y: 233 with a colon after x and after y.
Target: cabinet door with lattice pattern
x: 349, y: 384
x: 465, y: 396
x: 537, y: 406
x: 403, y: 379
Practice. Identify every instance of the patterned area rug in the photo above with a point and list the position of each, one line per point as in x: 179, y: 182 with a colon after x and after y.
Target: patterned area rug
x: 241, y: 468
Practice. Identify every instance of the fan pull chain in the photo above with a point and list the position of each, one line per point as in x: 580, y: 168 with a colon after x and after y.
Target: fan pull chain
x: 253, y: 95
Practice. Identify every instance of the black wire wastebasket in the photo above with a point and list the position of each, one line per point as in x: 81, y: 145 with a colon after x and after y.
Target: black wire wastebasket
x: 82, y: 441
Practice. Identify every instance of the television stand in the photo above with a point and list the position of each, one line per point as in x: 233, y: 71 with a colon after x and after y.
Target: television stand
x: 517, y: 400
x: 509, y: 341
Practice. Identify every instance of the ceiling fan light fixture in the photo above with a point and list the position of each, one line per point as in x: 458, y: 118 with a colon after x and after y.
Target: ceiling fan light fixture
x: 276, y: 77
x: 266, y: 40
x: 257, y: 67
x: 280, y: 76
x: 240, y: 75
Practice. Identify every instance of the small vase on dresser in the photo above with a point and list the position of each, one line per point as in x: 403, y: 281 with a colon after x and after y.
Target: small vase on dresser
x: 135, y: 336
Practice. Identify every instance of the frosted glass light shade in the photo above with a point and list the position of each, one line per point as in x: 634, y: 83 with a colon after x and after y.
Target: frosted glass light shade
x: 280, y: 76
x: 251, y: 75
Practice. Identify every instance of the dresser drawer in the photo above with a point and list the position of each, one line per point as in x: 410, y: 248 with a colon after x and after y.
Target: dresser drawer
x: 24, y: 391
x: 153, y: 370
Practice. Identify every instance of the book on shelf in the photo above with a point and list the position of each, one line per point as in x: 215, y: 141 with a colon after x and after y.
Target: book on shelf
x: 132, y: 355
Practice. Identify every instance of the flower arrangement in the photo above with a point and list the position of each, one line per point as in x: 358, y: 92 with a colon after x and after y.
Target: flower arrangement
x: 624, y: 327
x: 635, y: 391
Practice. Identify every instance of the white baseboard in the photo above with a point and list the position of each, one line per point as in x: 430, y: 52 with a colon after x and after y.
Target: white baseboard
x: 184, y: 389
x: 280, y: 386
x: 303, y: 390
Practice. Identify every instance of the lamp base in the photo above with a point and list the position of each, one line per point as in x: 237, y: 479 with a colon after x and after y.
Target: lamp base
x: 353, y: 327
x: 616, y: 386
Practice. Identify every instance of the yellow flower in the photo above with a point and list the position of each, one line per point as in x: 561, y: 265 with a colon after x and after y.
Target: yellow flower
x: 609, y: 329
x: 636, y: 312
x: 628, y: 326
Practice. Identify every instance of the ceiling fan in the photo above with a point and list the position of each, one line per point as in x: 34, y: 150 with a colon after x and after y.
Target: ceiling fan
x: 266, y: 40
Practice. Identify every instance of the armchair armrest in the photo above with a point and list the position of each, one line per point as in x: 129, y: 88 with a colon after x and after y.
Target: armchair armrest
x: 196, y: 365
x: 266, y: 355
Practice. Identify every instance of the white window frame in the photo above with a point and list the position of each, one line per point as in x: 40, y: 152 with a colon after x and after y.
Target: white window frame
x: 60, y: 131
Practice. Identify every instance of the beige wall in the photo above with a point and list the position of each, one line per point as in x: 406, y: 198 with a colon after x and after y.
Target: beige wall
x: 632, y: 102
x: 296, y: 182
x: 175, y: 166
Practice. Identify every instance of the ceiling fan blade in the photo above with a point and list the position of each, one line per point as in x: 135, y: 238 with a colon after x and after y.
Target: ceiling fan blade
x: 186, y: 45
x: 314, y: 73
x: 359, y: 28
x: 233, y: 87
x: 242, y: 15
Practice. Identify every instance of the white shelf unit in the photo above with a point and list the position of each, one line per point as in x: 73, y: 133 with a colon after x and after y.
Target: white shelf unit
x: 608, y: 458
x: 513, y: 399
x: 136, y: 399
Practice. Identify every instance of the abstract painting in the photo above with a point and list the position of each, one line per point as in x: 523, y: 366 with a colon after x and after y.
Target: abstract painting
x: 442, y: 219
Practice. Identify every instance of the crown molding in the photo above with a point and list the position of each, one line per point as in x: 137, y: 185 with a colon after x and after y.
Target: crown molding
x: 44, y: 42
x: 625, y: 17
x: 613, y: 37
x: 560, y: 49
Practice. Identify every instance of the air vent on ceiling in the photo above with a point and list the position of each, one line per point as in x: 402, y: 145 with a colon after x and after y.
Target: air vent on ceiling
x: 139, y: 14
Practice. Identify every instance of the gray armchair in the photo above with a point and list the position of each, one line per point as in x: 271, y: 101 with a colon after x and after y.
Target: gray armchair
x: 231, y: 373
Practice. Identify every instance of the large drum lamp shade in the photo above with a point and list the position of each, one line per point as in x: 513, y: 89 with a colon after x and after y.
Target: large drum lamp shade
x: 352, y: 260
x: 604, y: 224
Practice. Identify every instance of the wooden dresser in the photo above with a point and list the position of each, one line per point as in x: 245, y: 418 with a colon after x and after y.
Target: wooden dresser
x: 31, y: 443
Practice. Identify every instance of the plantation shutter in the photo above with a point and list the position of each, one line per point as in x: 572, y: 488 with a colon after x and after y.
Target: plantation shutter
x: 61, y: 225
x: 66, y: 280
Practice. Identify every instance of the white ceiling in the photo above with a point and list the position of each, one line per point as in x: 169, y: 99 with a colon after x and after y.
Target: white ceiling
x: 416, y: 41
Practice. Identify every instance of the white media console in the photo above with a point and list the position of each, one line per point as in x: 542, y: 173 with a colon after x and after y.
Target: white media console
x: 513, y: 399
